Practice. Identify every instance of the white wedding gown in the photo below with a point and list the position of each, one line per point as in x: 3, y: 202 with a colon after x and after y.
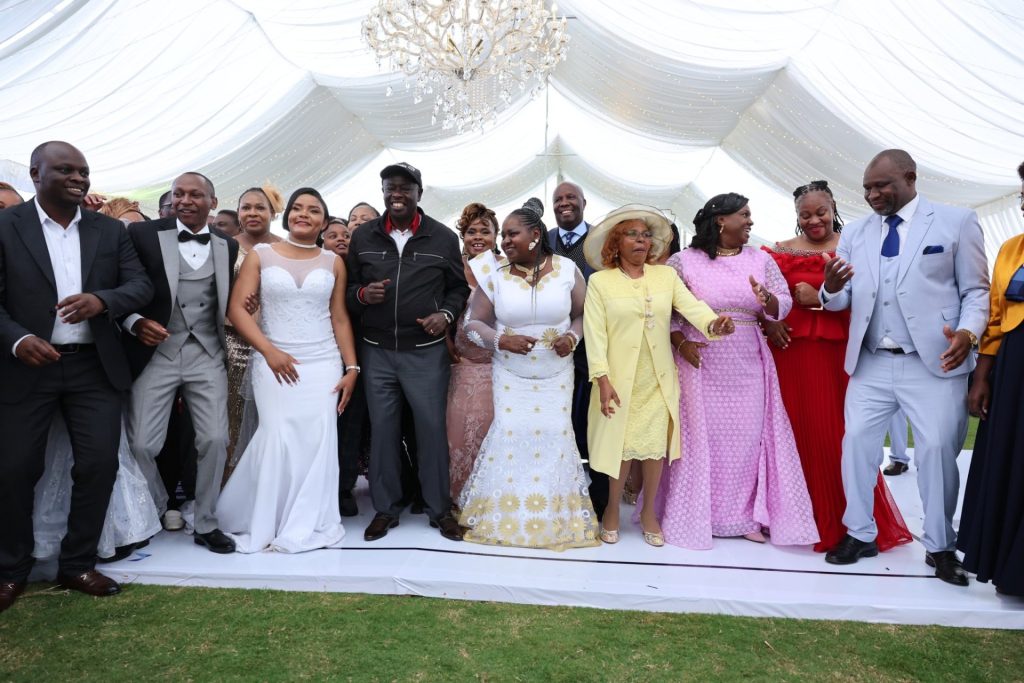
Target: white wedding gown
x: 284, y: 494
x: 131, y: 514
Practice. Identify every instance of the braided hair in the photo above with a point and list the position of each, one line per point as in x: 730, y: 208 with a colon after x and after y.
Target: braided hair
x: 706, y: 230
x: 819, y: 186
x: 530, y: 216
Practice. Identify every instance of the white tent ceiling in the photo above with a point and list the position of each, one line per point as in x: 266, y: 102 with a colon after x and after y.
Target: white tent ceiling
x: 658, y: 101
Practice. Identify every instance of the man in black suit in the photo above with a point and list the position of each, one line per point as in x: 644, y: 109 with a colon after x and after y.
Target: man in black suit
x: 569, y: 202
x: 177, y: 343
x: 66, y: 277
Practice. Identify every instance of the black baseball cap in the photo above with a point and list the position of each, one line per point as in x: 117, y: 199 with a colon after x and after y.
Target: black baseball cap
x: 403, y: 169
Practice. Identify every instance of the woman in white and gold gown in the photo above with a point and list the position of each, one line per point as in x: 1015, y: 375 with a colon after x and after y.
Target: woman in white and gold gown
x: 528, y: 487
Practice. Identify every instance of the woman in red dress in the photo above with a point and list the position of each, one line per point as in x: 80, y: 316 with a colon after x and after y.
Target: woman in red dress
x: 809, y: 346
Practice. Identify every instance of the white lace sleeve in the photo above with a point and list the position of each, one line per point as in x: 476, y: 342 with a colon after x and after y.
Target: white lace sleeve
x: 481, y: 324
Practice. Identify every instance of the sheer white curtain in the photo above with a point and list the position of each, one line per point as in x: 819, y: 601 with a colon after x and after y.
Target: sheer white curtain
x: 665, y: 102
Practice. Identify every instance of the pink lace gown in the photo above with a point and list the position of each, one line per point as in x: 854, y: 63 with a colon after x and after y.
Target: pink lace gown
x: 470, y: 407
x: 739, y: 471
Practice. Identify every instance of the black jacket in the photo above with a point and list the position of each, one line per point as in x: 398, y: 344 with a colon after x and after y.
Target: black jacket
x: 28, y: 293
x: 427, y: 278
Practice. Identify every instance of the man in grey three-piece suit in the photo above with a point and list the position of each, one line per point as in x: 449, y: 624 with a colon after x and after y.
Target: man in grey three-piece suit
x: 918, y: 303
x: 177, y: 341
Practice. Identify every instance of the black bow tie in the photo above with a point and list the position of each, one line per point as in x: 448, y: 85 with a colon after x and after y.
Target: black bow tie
x: 186, y: 236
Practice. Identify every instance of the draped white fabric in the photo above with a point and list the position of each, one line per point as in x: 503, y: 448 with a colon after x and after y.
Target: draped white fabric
x: 662, y: 102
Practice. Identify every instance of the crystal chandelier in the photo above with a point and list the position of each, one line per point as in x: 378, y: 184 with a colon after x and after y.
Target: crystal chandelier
x: 472, y: 56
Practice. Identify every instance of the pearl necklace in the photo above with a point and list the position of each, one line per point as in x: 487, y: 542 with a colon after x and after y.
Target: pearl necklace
x: 300, y: 245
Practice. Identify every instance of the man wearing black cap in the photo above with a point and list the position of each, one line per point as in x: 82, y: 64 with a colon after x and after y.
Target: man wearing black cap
x: 406, y: 281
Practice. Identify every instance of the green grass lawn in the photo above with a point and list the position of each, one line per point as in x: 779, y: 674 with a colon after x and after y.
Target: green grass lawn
x: 180, y: 634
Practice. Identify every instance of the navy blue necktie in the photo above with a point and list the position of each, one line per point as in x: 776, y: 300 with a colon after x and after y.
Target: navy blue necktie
x: 569, y: 238
x: 891, y: 244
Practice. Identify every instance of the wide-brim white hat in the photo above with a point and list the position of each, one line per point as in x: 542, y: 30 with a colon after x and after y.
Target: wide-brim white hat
x: 657, y: 223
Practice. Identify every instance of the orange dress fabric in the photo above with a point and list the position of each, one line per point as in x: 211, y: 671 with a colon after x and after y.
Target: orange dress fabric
x: 813, y: 386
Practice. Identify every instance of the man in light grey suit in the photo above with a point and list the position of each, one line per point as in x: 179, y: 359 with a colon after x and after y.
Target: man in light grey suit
x: 177, y: 341
x: 918, y: 303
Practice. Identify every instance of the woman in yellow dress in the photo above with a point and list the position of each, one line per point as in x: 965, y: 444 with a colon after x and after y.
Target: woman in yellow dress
x: 626, y: 320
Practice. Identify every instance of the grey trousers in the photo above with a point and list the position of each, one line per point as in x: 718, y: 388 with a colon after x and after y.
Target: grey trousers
x: 421, y: 376
x: 204, y: 385
x: 937, y: 409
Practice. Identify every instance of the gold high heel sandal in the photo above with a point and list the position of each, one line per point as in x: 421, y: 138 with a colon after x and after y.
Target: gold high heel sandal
x: 655, y: 539
x: 609, y: 535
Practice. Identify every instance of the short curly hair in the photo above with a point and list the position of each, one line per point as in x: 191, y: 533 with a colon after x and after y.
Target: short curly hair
x: 476, y: 212
x: 610, y: 250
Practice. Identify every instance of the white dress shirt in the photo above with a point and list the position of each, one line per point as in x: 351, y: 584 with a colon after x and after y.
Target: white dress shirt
x: 194, y: 253
x: 65, y: 248
x: 579, y: 231
x: 400, y: 237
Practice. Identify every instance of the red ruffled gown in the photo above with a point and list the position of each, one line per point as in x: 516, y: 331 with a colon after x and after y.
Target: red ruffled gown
x: 813, y: 385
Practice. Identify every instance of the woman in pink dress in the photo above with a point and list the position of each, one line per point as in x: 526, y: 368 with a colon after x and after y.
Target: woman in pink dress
x: 470, y: 404
x: 741, y: 475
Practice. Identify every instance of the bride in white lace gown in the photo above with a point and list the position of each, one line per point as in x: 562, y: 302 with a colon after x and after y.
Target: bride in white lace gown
x: 284, y: 494
x: 528, y: 487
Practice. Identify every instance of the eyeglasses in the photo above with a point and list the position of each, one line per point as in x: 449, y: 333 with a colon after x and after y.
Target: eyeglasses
x: 633, y: 234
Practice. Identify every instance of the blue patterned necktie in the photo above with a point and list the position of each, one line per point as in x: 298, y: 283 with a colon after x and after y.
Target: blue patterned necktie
x: 891, y: 244
x: 569, y: 238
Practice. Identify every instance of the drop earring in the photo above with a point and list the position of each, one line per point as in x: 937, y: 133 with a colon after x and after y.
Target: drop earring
x: 533, y: 245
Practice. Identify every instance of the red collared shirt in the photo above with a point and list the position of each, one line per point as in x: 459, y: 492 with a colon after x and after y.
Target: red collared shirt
x: 413, y: 228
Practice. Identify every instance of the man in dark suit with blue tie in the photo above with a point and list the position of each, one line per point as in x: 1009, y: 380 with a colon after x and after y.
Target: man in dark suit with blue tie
x: 66, y: 277
x: 569, y: 202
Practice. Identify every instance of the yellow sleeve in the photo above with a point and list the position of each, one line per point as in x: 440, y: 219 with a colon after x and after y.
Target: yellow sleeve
x: 595, y: 329
x: 696, y: 312
x: 1001, y: 274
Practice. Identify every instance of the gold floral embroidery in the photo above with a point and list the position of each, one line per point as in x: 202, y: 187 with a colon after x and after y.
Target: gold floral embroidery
x: 549, y: 337
x: 536, y: 502
x: 508, y: 528
x: 509, y: 503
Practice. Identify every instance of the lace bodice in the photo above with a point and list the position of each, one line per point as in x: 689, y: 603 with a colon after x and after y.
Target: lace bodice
x: 295, y: 297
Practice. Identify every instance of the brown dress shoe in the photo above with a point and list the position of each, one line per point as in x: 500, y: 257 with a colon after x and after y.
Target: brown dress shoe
x: 378, y: 528
x: 450, y: 529
x: 90, y: 583
x: 9, y: 592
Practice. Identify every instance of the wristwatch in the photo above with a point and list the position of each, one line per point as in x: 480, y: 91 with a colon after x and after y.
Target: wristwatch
x: 971, y: 336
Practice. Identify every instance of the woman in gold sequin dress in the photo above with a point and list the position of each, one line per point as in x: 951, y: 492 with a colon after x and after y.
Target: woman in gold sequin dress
x: 257, y: 207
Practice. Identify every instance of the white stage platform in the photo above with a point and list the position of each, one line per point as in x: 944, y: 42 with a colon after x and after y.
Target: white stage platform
x: 737, y: 577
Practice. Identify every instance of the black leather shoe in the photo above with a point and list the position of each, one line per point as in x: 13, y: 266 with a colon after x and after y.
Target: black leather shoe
x: 450, y: 528
x: 850, y: 550
x: 378, y: 528
x: 895, y: 468
x: 9, y: 592
x: 347, y: 504
x: 216, y: 541
x: 947, y: 567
